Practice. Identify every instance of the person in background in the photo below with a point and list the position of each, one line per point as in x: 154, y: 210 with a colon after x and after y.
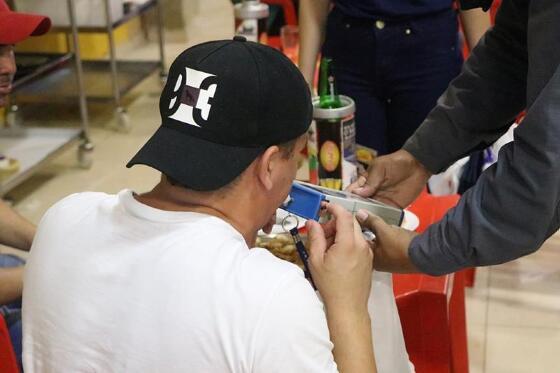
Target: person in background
x: 170, y: 280
x: 514, y: 206
x: 15, y: 231
x: 394, y: 58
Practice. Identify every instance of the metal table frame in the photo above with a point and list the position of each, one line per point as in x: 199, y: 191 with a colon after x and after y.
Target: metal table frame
x: 111, y: 24
x: 62, y: 138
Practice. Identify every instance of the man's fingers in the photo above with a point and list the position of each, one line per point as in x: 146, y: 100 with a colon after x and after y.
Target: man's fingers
x: 329, y: 228
x: 344, y: 222
x: 364, y: 191
x: 368, y: 187
x: 358, y: 236
x: 317, y: 241
x: 372, y: 222
x: 357, y: 184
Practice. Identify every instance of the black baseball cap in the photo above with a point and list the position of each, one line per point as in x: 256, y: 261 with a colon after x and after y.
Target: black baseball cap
x: 223, y: 104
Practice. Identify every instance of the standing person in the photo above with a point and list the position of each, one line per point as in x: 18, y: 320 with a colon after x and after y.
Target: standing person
x: 393, y: 57
x: 514, y: 206
x: 15, y: 231
x: 169, y: 280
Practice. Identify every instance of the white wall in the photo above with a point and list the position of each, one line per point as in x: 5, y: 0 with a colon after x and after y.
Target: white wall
x: 208, y: 19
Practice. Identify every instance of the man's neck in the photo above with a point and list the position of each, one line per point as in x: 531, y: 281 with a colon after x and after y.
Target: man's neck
x: 168, y: 197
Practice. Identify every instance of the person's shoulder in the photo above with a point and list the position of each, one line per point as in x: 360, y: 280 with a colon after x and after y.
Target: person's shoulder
x: 264, y: 265
x: 281, y: 281
x: 83, y: 197
x: 268, y: 276
x: 77, y: 202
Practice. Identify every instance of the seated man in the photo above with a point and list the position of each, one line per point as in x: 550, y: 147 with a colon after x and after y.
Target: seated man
x: 168, y: 281
x: 15, y: 231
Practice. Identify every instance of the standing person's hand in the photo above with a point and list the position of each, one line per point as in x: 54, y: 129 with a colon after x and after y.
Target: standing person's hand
x: 341, y: 263
x: 396, y: 179
x: 391, y: 244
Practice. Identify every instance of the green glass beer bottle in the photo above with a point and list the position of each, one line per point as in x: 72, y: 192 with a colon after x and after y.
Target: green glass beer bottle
x: 328, y: 95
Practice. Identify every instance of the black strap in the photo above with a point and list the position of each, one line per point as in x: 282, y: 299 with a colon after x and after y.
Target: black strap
x: 302, y: 254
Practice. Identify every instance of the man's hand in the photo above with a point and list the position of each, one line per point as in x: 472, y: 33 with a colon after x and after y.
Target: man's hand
x: 341, y: 264
x: 396, y: 179
x: 340, y: 261
x: 391, y: 244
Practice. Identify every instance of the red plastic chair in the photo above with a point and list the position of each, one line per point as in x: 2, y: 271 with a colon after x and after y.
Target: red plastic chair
x: 430, y: 209
x: 432, y: 309
x: 8, y: 362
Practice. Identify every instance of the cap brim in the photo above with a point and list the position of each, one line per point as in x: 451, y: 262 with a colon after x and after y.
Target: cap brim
x: 194, y: 163
x: 17, y: 27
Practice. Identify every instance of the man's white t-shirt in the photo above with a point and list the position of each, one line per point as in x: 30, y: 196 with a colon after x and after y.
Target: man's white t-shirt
x: 113, y: 285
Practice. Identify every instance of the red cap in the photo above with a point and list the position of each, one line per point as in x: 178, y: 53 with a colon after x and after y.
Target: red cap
x: 16, y: 27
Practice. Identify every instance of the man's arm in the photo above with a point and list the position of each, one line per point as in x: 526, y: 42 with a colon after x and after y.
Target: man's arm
x: 483, y: 100
x: 11, y: 284
x: 15, y: 231
x: 513, y: 208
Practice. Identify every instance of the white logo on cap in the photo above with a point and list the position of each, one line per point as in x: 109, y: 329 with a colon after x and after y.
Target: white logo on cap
x: 193, y: 93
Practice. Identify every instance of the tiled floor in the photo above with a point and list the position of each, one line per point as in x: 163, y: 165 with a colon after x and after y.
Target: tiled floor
x: 513, y: 311
x: 513, y: 314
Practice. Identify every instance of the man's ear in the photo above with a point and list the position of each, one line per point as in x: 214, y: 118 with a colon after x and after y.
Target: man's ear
x: 267, y: 166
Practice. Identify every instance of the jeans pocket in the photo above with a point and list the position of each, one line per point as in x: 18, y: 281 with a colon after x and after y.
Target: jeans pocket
x: 440, y: 33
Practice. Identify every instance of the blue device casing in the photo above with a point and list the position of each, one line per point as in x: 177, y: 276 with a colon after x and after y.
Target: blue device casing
x: 304, y: 202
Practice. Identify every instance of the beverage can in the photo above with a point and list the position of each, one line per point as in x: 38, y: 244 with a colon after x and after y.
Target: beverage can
x: 335, y: 143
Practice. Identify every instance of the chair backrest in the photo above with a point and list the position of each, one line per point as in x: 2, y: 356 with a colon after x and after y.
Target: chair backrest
x: 430, y: 208
x: 431, y: 309
x: 8, y: 362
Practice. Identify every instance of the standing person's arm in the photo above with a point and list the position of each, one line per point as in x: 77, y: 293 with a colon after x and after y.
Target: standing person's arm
x: 512, y: 208
x: 312, y: 20
x: 475, y: 23
x: 15, y: 230
x: 481, y: 103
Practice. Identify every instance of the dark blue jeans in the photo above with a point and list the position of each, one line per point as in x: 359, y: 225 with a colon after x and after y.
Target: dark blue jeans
x: 12, y: 312
x: 394, y: 70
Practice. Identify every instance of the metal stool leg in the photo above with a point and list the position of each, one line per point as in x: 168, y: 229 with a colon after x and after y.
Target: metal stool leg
x: 86, y: 147
x: 161, y: 40
x: 123, y: 121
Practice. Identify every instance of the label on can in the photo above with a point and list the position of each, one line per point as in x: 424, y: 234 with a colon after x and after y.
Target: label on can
x: 336, y: 143
x: 329, y: 156
x: 349, y: 163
